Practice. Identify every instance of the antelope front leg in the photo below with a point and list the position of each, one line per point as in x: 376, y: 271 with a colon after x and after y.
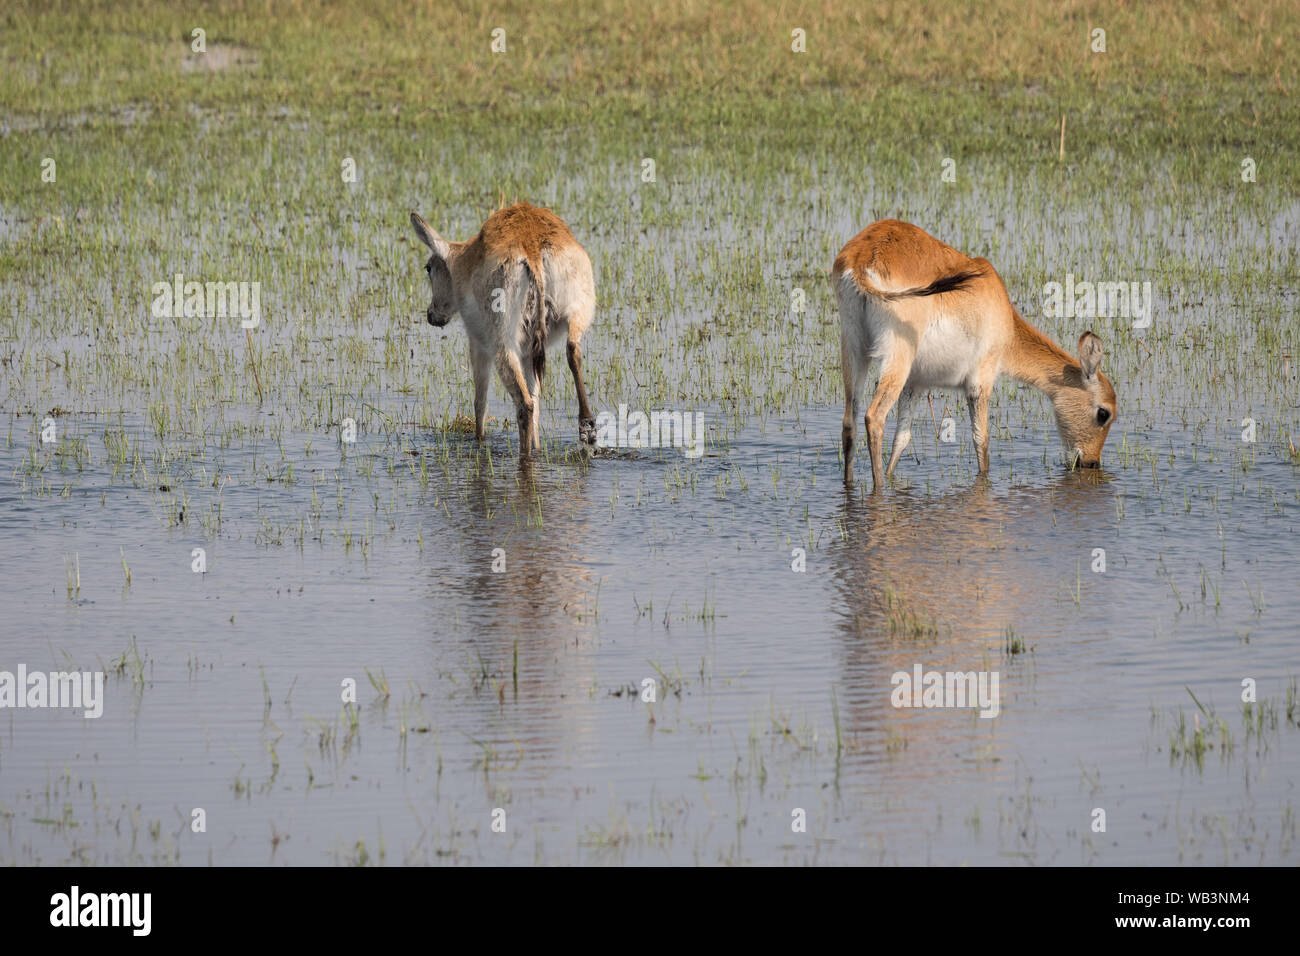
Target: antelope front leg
x: 586, y: 421
x: 979, y: 420
x: 903, y: 432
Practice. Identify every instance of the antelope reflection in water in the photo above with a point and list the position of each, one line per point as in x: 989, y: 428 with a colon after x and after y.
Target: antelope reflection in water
x: 938, y: 580
x: 542, y: 603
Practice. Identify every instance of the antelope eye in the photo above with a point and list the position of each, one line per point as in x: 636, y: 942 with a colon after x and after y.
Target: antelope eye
x: 1103, y: 416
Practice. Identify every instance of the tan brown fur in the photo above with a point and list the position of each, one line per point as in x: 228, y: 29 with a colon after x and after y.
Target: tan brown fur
x: 937, y: 318
x: 899, y: 252
x: 523, y: 258
x: 523, y: 230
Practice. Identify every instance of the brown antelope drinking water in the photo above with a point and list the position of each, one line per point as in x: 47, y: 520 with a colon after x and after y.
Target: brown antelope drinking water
x: 521, y: 284
x: 935, y: 318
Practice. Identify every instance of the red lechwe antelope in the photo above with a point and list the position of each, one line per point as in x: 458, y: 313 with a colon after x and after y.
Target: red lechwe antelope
x: 936, y: 318
x: 521, y: 284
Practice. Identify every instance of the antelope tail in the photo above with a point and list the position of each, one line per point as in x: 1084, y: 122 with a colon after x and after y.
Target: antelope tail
x: 535, y: 315
x: 527, y: 302
x: 949, y: 283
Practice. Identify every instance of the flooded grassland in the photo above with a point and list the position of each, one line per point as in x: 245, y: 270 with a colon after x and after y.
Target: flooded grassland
x: 335, y: 629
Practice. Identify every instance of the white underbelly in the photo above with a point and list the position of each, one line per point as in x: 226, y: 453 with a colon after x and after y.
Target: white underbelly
x: 948, y: 356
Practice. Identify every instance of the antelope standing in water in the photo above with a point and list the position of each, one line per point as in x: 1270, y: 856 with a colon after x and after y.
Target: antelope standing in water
x: 936, y: 318
x: 521, y: 284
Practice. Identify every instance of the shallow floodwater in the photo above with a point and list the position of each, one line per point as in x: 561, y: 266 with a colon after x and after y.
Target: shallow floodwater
x: 521, y: 689
x: 502, y: 628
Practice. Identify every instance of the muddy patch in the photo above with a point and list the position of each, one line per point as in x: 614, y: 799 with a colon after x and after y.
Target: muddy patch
x: 218, y: 57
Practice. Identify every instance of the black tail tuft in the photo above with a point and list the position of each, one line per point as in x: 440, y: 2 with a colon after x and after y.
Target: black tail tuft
x: 951, y: 283
x: 536, y: 316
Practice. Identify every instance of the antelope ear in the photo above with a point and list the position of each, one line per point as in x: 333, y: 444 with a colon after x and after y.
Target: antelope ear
x: 1090, y: 352
x: 429, y: 236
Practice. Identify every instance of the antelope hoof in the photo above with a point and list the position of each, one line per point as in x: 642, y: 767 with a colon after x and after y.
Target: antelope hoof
x: 587, y: 431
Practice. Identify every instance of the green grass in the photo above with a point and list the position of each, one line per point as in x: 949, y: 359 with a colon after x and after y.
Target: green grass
x: 996, y: 80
